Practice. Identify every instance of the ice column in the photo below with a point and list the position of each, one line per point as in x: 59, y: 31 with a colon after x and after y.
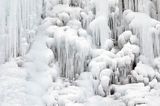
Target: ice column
x: 98, y: 28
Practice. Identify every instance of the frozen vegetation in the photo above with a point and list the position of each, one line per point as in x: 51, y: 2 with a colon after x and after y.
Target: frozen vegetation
x: 80, y: 53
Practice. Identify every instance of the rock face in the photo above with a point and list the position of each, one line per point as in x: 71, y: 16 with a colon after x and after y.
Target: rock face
x: 80, y: 52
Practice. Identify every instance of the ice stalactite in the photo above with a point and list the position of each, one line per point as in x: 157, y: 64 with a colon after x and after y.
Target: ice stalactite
x: 72, y: 47
x: 114, y: 19
x: 86, y: 18
x: 72, y: 52
x: 98, y: 28
x: 146, y: 74
x: 150, y: 7
x: 99, y: 31
x: 18, y: 23
x: 120, y: 64
x: 70, y: 43
x: 157, y: 6
x: 2, y: 48
x: 134, y: 5
x: 126, y: 57
x: 107, y: 22
x: 147, y: 31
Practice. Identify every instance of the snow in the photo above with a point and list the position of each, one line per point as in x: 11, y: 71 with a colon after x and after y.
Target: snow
x: 15, y: 90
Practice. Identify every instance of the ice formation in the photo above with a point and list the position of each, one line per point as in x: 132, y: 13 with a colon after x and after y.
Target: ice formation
x: 150, y: 7
x: 18, y: 22
x: 79, y: 53
x: 146, y: 31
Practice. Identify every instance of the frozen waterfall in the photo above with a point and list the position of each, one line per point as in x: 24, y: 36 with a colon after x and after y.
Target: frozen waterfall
x: 18, y: 22
x: 79, y: 52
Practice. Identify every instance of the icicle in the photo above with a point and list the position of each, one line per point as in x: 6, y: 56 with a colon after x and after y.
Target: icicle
x: 106, y: 23
x: 71, y: 51
x: 99, y: 31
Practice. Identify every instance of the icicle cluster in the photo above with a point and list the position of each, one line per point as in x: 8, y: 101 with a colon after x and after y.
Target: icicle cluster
x: 105, y: 13
x: 149, y: 7
x: 70, y: 43
x: 72, y: 52
x: 146, y: 74
x: 147, y: 30
x: 18, y: 22
x: 114, y: 68
x: 83, y: 48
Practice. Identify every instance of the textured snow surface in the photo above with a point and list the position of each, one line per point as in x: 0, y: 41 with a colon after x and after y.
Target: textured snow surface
x: 80, y: 53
